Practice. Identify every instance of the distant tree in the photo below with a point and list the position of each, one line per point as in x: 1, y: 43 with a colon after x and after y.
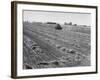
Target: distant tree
x: 75, y: 24
x: 70, y: 23
x: 65, y: 23
x: 84, y: 25
x: 51, y: 23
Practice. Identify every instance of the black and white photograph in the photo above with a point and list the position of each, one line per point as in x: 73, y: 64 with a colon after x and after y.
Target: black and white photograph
x: 56, y: 39
x: 53, y: 39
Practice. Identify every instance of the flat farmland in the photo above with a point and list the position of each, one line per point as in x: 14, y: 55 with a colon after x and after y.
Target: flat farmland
x: 46, y: 47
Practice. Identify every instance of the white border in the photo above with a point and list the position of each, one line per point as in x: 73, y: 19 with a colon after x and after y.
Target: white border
x: 21, y: 72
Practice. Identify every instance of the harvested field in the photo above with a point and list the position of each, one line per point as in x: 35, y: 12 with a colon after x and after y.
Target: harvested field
x: 46, y: 47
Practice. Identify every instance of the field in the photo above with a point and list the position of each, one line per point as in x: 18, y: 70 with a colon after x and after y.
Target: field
x: 46, y: 47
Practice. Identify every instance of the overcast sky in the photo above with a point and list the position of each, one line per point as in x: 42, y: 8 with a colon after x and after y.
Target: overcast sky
x: 60, y: 17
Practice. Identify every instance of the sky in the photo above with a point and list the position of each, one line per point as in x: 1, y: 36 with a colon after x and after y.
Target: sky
x: 59, y: 17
